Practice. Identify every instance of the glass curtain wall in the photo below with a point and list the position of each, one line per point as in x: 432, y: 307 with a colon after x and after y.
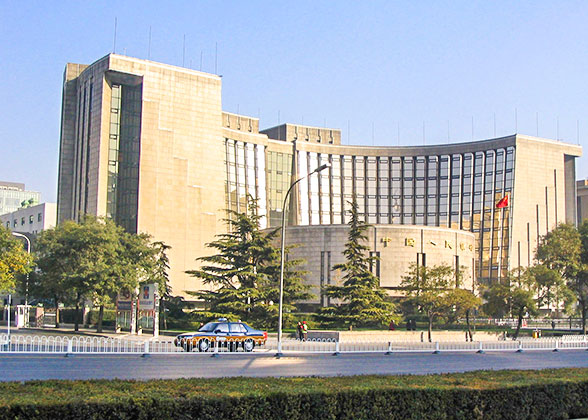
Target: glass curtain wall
x: 123, y: 155
x: 458, y: 191
x: 246, y: 171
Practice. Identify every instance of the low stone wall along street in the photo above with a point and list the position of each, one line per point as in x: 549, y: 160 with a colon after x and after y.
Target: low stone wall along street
x: 400, y: 336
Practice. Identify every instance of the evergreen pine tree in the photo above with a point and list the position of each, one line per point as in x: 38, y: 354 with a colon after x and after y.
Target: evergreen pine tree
x: 244, y: 273
x: 364, y: 302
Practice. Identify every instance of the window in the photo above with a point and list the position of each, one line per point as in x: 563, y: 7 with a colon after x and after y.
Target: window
x: 396, y: 168
x: 15, y: 223
x: 444, y: 171
x: 237, y: 328
x: 222, y: 327
x: 22, y: 221
x: 432, y: 167
x: 40, y: 217
x: 456, y: 166
x: 420, y: 167
x: 408, y: 167
x: 31, y: 219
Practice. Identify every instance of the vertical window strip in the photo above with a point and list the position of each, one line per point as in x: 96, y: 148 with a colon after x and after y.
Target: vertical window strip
x: 261, y: 185
x: 88, y: 136
x: 303, y: 189
x: 113, y: 148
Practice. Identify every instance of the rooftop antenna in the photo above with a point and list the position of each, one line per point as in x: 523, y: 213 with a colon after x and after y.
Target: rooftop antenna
x: 215, y: 57
x: 348, y: 132
x: 114, y: 46
x: 184, y: 51
x: 472, y: 127
x: 149, y: 48
x: 424, y: 138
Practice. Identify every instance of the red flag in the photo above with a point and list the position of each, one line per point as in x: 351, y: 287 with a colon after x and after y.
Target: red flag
x: 502, y: 203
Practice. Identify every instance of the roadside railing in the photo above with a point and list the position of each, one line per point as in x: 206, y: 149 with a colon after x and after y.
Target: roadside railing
x: 71, y: 345
x: 543, y: 323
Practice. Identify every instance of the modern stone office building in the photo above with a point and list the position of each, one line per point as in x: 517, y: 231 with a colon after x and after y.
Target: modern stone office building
x: 149, y: 145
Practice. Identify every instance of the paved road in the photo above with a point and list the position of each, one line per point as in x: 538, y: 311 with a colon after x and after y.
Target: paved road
x: 29, y: 367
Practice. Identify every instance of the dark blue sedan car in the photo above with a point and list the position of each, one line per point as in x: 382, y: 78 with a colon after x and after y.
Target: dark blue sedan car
x: 227, y: 334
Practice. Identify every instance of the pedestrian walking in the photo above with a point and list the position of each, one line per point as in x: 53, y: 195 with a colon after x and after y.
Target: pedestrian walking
x: 299, y: 331
x: 392, y: 326
x: 304, y: 331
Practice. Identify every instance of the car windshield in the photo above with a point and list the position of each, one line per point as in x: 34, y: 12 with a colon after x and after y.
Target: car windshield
x: 208, y: 327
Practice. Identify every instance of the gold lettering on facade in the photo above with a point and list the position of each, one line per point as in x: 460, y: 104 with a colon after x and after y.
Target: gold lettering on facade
x: 462, y: 246
x: 470, y: 247
x: 386, y: 240
x: 448, y: 245
x: 433, y: 243
x: 409, y: 242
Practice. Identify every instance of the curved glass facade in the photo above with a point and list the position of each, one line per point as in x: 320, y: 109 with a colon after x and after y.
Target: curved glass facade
x: 458, y: 191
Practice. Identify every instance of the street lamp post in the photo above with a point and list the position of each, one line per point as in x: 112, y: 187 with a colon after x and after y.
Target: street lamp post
x: 20, y: 235
x: 320, y: 168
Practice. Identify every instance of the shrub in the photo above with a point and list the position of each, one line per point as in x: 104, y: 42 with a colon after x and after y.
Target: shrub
x: 553, y: 394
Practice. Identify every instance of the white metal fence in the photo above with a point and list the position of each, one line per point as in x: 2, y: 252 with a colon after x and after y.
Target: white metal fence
x: 70, y: 345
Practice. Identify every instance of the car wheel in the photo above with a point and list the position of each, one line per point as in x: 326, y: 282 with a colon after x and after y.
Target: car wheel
x: 187, y: 345
x: 203, y: 345
x: 248, y: 345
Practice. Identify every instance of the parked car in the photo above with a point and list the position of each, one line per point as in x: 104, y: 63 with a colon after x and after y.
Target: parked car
x: 227, y: 334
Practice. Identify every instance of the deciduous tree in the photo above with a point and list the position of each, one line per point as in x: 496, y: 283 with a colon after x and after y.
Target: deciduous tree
x: 427, y: 288
x: 579, y: 284
x: 463, y: 302
x: 14, y: 260
x: 94, y: 259
x: 515, y: 296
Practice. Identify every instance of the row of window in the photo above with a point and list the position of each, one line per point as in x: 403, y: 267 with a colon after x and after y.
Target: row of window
x: 23, y: 219
x: 246, y: 168
x: 379, y: 193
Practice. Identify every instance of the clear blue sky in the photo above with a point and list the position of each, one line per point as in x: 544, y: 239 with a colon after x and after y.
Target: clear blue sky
x: 377, y: 67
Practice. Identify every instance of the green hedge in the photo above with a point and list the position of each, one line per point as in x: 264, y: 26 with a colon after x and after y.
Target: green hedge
x: 550, y: 394
x: 68, y: 316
